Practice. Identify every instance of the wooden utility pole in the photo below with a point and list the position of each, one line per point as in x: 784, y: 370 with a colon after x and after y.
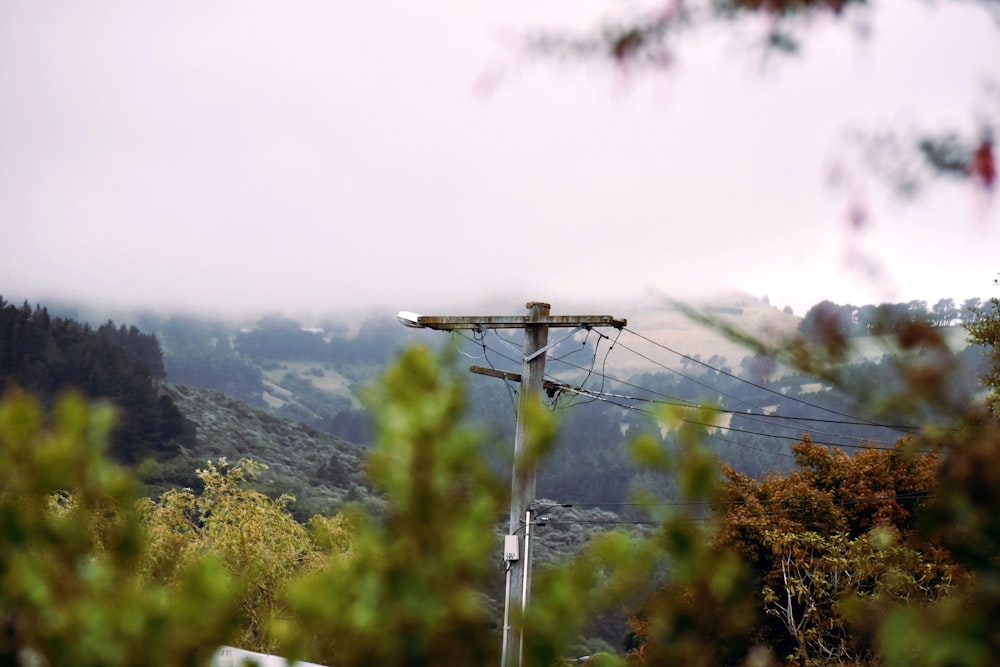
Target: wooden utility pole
x: 536, y: 328
x: 522, y: 485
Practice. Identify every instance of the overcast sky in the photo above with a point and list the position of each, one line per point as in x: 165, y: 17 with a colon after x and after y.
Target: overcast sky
x: 329, y: 155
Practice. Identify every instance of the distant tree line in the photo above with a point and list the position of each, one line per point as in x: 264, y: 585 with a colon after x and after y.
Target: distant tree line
x: 199, y: 353
x: 212, y: 355
x: 278, y: 337
x: 141, y: 348
x: 827, y: 318
x: 46, y: 356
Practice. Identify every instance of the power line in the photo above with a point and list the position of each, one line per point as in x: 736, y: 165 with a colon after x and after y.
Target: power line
x: 764, y: 417
x: 689, y: 378
x: 788, y: 437
x: 748, y: 432
x: 761, y: 416
x: 746, y: 446
x: 511, y: 392
x: 603, y: 374
x: 809, y: 502
x: 802, y: 506
x: 762, y: 413
x: 867, y: 446
x: 758, y: 386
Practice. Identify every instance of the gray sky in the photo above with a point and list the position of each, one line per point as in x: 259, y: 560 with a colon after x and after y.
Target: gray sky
x: 322, y: 156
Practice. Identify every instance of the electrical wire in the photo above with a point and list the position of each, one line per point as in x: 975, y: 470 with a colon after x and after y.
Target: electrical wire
x: 868, y: 444
x: 644, y: 412
x: 583, y: 346
x: 479, y: 337
x: 901, y: 428
x: 814, y: 502
x: 763, y: 418
x: 850, y: 419
x: 763, y: 413
x: 867, y: 441
x: 593, y: 362
x: 684, y: 403
x: 459, y: 349
x: 798, y: 507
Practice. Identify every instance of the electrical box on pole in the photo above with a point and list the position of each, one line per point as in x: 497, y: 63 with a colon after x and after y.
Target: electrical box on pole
x: 511, y: 550
x: 517, y: 550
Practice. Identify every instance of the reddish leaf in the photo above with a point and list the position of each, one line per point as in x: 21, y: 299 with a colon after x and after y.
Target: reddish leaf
x: 626, y: 45
x: 982, y: 166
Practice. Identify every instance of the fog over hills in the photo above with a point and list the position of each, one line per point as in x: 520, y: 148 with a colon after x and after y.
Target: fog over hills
x: 314, y: 372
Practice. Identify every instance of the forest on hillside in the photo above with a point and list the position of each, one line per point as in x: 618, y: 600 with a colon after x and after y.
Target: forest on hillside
x: 46, y: 356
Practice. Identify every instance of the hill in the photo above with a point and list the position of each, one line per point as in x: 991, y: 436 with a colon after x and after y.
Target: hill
x: 321, y: 471
x: 667, y: 324
x: 46, y: 356
x: 312, y: 373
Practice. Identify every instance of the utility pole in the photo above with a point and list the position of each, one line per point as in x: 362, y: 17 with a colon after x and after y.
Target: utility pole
x: 517, y: 548
x: 522, y: 485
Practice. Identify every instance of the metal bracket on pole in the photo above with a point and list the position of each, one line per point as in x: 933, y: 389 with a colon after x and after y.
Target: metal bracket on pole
x: 552, y: 345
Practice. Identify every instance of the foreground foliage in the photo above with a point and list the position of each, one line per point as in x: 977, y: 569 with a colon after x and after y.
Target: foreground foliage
x: 71, y: 587
x: 254, y: 538
x: 410, y: 592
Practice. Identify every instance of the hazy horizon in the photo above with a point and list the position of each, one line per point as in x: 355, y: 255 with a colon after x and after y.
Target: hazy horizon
x: 638, y: 310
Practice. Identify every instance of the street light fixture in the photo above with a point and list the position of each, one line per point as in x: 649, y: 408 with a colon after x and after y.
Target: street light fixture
x: 408, y: 319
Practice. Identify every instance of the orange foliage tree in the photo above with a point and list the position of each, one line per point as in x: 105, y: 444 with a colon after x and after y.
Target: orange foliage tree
x: 838, y: 531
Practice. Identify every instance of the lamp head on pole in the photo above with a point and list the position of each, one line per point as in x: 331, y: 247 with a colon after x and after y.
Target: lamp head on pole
x: 408, y: 319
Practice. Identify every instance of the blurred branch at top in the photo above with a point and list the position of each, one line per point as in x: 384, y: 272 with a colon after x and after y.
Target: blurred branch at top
x: 652, y: 38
